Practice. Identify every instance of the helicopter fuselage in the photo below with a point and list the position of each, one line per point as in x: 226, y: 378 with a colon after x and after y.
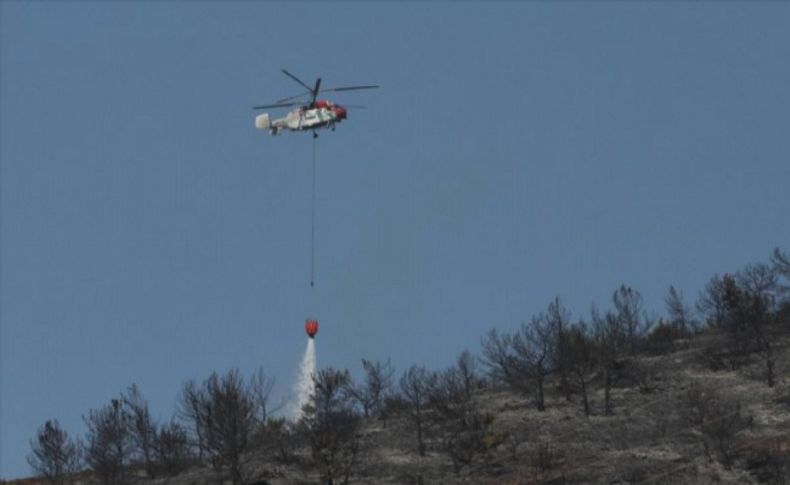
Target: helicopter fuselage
x: 323, y: 114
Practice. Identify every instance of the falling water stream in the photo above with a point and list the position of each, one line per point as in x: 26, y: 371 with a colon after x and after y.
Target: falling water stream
x: 304, y: 386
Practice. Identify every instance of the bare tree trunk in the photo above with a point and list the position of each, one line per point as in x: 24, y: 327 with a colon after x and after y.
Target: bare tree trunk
x: 420, y: 442
x: 770, y: 359
x: 607, y: 392
x: 566, y: 388
x: 539, y: 390
x: 584, y: 397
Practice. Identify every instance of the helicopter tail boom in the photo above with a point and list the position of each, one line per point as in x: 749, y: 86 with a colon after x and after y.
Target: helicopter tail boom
x: 262, y: 121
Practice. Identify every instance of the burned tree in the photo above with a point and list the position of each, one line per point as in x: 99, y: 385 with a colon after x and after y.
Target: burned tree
x: 190, y: 410
x: 524, y: 359
x: 260, y: 388
x: 466, y: 366
x: 628, y: 310
x: 171, y: 449
x: 609, y: 341
x: 370, y: 393
x: 282, y: 439
x: 415, y: 386
x: 229, y: 421
x: 141, y: 428
x: 781, y: 267
x: 224, y: 415
x: 744, y: 307
x: 680, y: 314
x: 747, y: 320
x: 535, y: 346
x: 332, y: 425
x: 460, y: 424
x: 758, y: 278
x: 109, y: 444
x: 716, y: 420
x: 711, y: 301
x: 558, y: 318
x: 581, y: 359
x: 53, y: 454
x: 502, y: 364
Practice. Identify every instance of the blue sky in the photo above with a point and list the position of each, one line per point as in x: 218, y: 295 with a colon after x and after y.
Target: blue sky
x: 515, y: 152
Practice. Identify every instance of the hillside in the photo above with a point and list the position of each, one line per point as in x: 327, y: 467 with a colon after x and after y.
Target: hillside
x: 648, y: 439
x: 618, y: 399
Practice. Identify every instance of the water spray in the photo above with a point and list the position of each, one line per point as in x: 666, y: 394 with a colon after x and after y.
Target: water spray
x: 304, y: 387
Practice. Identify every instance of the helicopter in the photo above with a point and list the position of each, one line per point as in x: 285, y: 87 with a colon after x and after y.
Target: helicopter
x: 309, y: 115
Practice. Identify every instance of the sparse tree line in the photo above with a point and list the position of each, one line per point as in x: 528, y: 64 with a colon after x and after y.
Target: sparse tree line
x: 225, y: 422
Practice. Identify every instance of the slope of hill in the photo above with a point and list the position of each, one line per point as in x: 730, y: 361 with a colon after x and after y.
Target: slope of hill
x: 621, y: 399
x: 651, y: 437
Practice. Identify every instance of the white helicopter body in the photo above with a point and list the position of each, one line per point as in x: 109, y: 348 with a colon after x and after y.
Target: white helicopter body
x: 324, y: 115
x: 309, y: 115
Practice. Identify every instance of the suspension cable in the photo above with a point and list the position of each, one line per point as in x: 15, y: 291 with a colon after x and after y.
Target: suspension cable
x: 312, y: 226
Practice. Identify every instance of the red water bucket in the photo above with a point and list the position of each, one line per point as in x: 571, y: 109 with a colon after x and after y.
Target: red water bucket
x: 311, y: 327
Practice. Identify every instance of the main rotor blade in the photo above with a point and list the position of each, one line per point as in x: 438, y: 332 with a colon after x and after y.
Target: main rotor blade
x: 297, y: 80
x: 293, y: 97
x: 278, y: 105
x: 316, y: 90
x: 351, y: 88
